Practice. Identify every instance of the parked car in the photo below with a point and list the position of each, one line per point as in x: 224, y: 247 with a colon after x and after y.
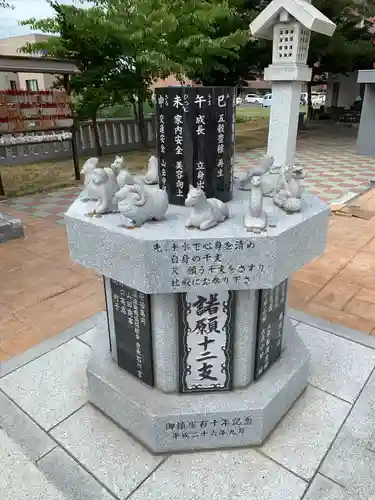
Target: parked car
x: 252, y: 98
x: 266, y: 101
x: 238, y: 100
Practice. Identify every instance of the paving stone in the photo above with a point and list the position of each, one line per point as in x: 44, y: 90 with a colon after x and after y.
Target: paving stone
x: 350, y: 442
x: 229, y: 475
x: 112, y: 456
x: 20, y: 479
x: 304, y: 435
x: 50, y: 344
x: 71, y: 478
x: 89, y: 336
x: 53, y: 386
x: 23, y: 430
x: 338, y: 366
x: 323, y: 488
x: 371, y: 442
x: 362, y: 483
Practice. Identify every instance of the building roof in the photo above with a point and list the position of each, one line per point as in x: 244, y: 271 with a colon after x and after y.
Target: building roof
x: 308, y: 15
x: 26, y: 64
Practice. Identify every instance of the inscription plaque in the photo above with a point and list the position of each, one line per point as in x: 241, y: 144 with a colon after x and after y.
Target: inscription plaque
x: 271, y: 313
x: 132, y: 324
x: 206, y: 341
x: 195, y: 140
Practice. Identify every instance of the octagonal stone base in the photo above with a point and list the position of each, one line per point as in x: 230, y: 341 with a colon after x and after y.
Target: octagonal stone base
x: 177, y: 422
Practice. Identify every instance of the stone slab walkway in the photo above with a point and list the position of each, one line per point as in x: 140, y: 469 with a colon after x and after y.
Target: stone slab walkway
x: 328, y: 155
x: 323, y: 449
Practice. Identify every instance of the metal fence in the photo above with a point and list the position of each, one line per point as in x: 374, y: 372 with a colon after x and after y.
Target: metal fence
x: 116, y: 135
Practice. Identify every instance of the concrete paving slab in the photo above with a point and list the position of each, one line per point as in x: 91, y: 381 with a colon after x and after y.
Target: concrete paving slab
x: 338, y: 366
x: 53, y: 386
x: 20, y: 479
x: 229, y: 475
x: 304, y: 435
x: 113, y: 457
x: 323, y: 488
x: 71, y: 478
x: 350, y: 442
x: 18, y: 426
x: 362, y: 483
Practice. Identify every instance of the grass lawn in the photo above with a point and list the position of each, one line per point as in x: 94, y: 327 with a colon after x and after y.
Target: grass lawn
x: 20, y: 180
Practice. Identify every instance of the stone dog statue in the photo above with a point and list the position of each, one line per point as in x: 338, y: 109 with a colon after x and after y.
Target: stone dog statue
x: 139, y: 204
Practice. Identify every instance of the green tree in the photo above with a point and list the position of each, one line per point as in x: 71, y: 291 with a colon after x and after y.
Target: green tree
x: 349, y: 48
x: 160, y: 37
x: 83, y: 35
x: 252, y: 56
x: 122, y: 46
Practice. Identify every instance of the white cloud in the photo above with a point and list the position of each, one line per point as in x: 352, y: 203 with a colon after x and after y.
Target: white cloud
x: 24, y: 9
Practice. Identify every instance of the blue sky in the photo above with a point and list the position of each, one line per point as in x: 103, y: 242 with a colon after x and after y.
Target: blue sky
x: 24, y: 9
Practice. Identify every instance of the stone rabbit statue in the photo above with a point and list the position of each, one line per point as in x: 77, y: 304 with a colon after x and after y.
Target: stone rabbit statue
x: 206, y: 213
x: 152, y: 175
x: 138, y: 204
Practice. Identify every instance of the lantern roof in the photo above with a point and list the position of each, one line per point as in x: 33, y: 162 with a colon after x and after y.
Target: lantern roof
x: 305, y: 13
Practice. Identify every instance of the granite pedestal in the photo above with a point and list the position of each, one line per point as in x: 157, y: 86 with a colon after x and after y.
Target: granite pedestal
x: 160, y: 280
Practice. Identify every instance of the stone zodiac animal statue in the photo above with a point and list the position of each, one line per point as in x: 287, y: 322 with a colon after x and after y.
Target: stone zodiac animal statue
x: 125, y: 178
x: 87, y: 170
x: 256, y: 219
x: 206, y: 213
x: 288, y: 192
x: 152, y: 175
x: 117, y: 164
x: 103, y: 186
x: 262, y: 168
x: 139, y: 204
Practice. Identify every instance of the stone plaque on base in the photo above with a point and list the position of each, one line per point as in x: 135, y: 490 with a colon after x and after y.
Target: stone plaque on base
x: 132, y: 325
x: 206, y: 341
x: 272, y: 303
x: 195, y: 141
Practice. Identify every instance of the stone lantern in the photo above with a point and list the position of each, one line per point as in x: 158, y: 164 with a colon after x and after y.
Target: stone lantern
x: 289, y: 24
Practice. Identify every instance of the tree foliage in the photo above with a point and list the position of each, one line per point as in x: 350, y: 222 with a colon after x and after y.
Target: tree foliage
x: 122, y: 46
x: 350, y: 48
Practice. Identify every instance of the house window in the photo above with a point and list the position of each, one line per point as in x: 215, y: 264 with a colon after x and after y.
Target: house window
x: 12, y: 84
x: 32, y: 85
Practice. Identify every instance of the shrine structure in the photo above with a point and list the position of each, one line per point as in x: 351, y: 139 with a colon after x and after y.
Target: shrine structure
x: 199, y: 352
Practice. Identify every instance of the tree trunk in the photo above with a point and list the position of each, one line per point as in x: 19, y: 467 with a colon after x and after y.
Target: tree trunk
x: 141, y: 120
x: 98, y: 147
x: 135, y: 112
x: 309, y: 101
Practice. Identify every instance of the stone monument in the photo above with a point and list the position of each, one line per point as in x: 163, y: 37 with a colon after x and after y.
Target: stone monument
x: 199, y: 352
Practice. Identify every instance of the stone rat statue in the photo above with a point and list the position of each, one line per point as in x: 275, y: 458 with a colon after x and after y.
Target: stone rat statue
x: 138, y: 204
